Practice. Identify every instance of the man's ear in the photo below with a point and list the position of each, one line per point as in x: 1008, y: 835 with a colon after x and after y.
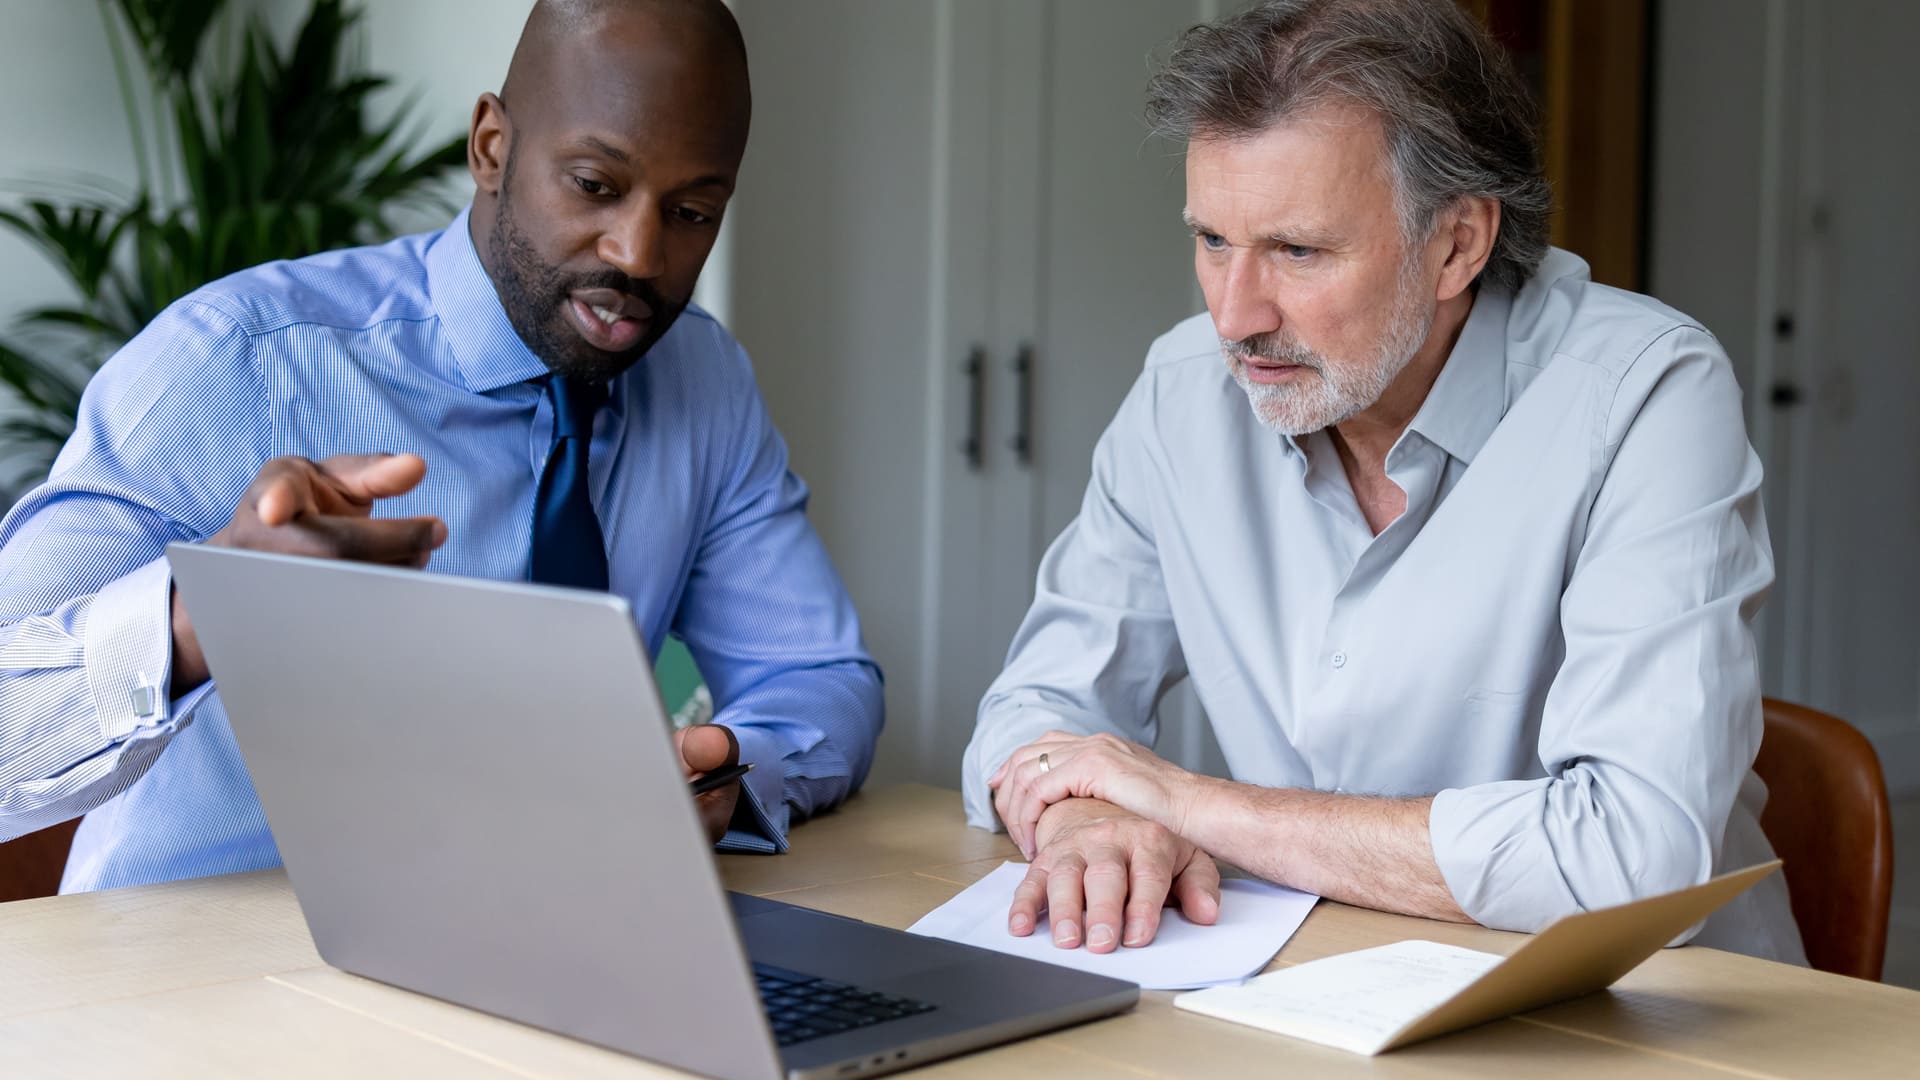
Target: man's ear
x: 1472, y: 226
x: 489, y: 140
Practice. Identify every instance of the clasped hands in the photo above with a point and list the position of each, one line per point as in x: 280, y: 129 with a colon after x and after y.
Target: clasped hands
x: 1103, y: 822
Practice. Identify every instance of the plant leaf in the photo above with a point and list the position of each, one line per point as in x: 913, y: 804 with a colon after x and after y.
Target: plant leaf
x: 170, y: 32
x: 281, y: 160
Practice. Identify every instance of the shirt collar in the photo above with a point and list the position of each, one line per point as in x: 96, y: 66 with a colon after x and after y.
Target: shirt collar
x: 487, y: 352
x: 1470, y: 395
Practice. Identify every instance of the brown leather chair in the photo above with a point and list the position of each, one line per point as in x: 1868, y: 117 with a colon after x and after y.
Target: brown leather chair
x: 31, y: 865
x: 1827, y: 816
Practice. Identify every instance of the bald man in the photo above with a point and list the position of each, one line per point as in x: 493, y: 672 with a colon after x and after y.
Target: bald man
x: 527, y: 394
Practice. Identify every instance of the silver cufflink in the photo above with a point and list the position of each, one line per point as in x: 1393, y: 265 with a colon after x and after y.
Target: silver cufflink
x: 146, y: 699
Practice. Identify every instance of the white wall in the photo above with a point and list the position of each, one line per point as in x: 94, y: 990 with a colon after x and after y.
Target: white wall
x: 444, y: 53
x: 53, y: 53
x: 441, y: 55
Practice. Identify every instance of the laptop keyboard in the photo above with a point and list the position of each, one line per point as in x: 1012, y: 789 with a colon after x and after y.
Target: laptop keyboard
x: 803, y: 1007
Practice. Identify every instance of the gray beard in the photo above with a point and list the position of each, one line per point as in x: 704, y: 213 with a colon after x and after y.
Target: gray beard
x: 1333, y: 392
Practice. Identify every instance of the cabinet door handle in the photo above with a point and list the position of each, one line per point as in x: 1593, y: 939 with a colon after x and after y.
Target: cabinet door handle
x: 1022, y: 441
x: 975, y: 371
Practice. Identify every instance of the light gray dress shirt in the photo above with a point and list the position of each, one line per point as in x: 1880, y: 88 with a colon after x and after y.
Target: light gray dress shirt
x: 1553, y: 640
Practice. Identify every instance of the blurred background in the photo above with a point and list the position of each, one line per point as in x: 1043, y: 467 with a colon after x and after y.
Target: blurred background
x: 953, y: 243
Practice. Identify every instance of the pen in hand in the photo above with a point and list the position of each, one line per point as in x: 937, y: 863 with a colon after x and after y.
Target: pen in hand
x: 718, y: 778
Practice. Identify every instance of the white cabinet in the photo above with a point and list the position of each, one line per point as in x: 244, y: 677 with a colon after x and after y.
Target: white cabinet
x: 936, y: 192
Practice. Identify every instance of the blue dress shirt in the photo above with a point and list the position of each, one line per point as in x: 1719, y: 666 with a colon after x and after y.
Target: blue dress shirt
x: 400, y: 347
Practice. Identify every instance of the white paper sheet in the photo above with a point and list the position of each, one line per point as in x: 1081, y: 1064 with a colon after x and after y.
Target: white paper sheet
x: 1255, y: 920
x: 1356, y: 1001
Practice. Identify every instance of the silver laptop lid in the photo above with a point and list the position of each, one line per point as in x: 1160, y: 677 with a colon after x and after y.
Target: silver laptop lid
x: 474, y: 791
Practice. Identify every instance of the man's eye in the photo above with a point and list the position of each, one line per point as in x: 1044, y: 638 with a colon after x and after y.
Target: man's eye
x: 691, y: 216
x: 1298, y: 253
x: 1212, y: 242
x: 592, y: 187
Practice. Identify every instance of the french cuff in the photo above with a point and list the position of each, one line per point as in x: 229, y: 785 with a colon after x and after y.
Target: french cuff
x: 128, y: 650
x: 1495, y: 855
x: 756, y: 829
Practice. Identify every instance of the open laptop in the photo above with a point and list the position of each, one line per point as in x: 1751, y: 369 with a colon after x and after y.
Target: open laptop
x: 474, y: 790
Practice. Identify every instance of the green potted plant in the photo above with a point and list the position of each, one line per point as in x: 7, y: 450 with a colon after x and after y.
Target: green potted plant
x: 247, y: 151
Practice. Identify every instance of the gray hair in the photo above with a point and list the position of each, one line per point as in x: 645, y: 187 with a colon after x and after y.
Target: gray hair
x: 1459, y: 122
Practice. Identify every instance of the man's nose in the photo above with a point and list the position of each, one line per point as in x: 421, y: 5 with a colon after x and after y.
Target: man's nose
x: 1243, y: 302
x: 636, y: 243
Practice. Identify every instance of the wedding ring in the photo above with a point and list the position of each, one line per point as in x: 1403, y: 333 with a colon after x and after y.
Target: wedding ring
x: 1043, y: 764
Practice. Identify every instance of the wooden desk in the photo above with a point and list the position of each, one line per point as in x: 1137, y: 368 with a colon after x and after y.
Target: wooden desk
x: 218, y: 977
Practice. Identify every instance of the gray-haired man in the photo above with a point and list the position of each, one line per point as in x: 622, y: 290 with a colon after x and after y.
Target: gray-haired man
x: 1465, y: 593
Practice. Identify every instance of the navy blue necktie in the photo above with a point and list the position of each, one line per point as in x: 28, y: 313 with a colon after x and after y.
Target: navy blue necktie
x: 567, y: 546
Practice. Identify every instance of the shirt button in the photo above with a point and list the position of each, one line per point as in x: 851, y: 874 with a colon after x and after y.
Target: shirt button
x: 1339, y: 659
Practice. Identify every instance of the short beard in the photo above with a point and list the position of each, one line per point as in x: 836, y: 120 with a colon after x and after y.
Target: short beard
x: 1334, y: 392
x: 534, y: 294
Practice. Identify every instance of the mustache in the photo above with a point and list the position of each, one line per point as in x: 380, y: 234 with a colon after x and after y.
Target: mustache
x: 619, y: 282
x: 1272, y: 346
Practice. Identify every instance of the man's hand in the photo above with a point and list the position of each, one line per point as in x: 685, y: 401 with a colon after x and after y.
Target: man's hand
x: 1099, y: 864
x: 704, y: 748
x: 321, y: 509
x: 1060, y: 766
x: 1358, y: 849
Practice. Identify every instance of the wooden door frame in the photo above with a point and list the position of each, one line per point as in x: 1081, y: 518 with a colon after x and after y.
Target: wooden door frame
x: 1589, y: 62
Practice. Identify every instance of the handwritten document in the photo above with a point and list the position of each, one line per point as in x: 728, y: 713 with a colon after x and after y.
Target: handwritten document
x: 1255, y: 920
x: 1356, y: 1001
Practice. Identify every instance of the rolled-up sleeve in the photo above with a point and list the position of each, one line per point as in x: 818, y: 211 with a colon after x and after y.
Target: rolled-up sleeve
x: 1098, y: 648
x: 1653, y: 719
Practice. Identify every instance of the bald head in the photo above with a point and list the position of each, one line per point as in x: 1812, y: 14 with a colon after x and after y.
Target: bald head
x: 553, y: 26
x: 602, y: 168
